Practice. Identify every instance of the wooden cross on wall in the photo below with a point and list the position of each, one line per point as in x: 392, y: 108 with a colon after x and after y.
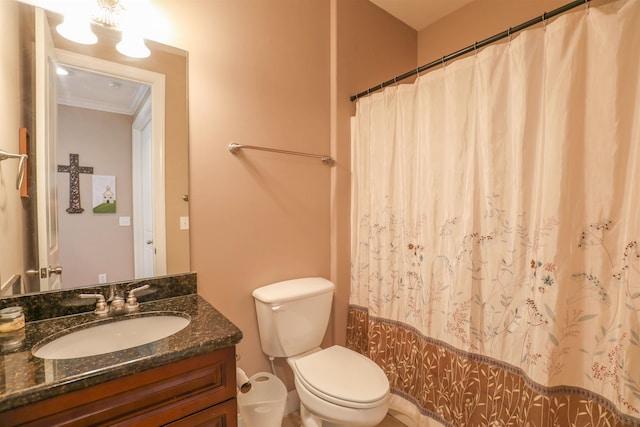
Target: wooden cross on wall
x: 74, y: 169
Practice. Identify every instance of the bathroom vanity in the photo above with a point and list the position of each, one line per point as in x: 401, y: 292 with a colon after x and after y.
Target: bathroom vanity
x: 185, y: 379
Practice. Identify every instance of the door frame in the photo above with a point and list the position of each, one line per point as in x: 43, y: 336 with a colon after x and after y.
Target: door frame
x: 46, y: 128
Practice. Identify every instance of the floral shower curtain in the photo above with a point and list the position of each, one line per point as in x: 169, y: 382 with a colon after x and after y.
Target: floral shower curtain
x: 495, y: 230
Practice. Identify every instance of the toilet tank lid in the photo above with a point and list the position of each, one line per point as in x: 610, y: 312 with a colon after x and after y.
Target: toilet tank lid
x: 294, y: 289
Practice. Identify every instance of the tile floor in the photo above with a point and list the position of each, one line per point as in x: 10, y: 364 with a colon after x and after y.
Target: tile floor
x: 293, y: 420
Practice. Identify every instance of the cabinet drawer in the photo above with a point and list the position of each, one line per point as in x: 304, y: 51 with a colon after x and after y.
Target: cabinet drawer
x: 154, y: 397
x: 221, y: 415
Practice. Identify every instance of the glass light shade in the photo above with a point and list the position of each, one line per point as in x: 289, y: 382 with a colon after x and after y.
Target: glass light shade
x: 77, y: 30
x: 133, y: 46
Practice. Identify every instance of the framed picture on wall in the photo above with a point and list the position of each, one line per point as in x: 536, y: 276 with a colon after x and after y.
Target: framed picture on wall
x: 104, y: 194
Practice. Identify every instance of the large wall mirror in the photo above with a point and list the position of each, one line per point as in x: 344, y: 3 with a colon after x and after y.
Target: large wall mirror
x: 105, y: 193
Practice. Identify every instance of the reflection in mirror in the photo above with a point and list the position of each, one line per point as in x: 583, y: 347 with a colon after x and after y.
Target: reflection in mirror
x: 119, y: 157
x: 106, y: 192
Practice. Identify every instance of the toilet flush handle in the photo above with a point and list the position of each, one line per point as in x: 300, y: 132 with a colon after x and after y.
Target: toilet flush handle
x: 277, y: 307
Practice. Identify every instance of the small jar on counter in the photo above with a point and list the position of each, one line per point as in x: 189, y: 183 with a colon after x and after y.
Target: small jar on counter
x: 11, y: 341
x: 11, y: 319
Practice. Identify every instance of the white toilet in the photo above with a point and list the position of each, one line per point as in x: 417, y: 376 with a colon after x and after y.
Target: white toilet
x: 336, y: 386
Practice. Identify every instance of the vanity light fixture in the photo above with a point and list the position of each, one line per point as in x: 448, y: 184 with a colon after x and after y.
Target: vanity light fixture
x: 111, y: 14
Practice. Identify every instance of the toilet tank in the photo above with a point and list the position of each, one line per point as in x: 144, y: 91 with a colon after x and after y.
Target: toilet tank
x: 293, y: 315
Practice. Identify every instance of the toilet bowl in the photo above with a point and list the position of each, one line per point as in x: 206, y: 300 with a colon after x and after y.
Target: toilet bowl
x: 336, y: 386
x: 339, y: 387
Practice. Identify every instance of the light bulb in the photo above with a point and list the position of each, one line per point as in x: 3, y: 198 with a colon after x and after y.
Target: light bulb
x: 133, y: 46
x: 77, y: 29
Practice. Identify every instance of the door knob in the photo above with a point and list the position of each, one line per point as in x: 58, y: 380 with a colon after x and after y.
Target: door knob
x: 149, y: 242
x: 55, y: 270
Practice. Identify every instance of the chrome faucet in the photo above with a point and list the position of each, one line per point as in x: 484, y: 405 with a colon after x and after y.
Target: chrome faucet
x: 132, y: 302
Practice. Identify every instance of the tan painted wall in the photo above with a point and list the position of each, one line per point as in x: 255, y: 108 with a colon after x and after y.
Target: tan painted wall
x: 260, y: 73
x: 11, y: 219
x: 91, y: 244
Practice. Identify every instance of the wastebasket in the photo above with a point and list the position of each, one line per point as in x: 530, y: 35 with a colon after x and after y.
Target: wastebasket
x: 263, y: 405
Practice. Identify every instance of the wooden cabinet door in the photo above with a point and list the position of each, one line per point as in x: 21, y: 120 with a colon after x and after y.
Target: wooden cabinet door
x: 150, y: 398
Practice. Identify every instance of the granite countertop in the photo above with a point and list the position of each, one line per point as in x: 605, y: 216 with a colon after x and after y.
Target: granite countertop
x: 25, y: 378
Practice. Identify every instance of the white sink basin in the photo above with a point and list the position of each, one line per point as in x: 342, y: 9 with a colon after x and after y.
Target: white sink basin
x: 113, y: 336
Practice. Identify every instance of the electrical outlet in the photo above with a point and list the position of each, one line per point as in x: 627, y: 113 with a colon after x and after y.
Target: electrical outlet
x: 102, y: 278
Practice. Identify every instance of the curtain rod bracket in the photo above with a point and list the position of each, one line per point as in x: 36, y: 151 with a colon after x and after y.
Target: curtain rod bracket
x: 234, y: 148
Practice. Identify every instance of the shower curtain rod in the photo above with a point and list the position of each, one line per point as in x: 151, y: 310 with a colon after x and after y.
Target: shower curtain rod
x: 475, y: 46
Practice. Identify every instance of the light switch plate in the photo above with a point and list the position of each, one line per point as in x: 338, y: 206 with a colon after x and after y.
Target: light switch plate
x: 184, y: 223
x: 124, y: 221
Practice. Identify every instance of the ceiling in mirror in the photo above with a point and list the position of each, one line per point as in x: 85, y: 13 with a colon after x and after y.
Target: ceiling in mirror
x: 82, y: 88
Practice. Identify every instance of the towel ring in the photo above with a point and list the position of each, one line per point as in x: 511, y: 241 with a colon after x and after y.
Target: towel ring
x: 22, y: 163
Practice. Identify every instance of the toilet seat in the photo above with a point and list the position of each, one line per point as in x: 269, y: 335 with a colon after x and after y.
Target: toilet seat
x: 343, y: 377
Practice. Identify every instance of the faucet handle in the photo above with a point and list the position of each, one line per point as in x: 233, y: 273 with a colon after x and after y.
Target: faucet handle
x: 132, y: 301
x: 101, y: 304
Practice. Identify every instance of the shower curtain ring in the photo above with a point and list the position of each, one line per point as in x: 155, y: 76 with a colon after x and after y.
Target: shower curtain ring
x: 443, y: 60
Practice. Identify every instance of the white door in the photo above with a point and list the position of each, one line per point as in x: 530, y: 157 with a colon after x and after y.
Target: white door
x: 145, y: 246
x: 46, y: 195
x: 147, y: 202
